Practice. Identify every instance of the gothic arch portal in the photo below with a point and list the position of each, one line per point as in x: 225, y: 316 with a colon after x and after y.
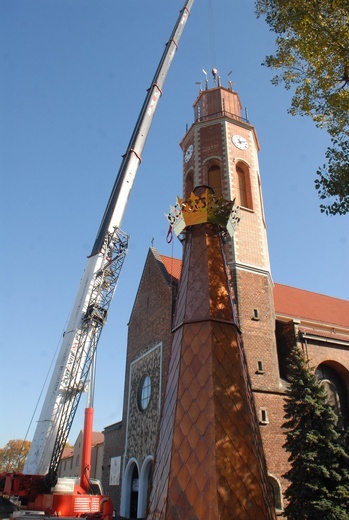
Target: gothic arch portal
x: 144, y: 481
x: 130, y: 488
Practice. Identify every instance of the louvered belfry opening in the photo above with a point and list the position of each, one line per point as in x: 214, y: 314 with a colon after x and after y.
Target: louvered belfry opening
x: 209, y: 462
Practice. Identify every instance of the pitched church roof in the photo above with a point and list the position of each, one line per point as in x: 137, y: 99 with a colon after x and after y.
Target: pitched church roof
x: 296, y: 303
x: 290, y: 301
x: 173, y: 266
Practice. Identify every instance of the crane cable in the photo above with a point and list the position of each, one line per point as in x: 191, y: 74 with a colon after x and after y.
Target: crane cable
x: 41, y: 392
x: 211, y: 34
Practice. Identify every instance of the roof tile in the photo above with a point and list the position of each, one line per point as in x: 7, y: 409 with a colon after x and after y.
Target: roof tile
x: 299, y: 303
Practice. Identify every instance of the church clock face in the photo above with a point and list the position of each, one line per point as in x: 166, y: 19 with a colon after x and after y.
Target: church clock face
x: 240, y: 142
x: 188, y: 153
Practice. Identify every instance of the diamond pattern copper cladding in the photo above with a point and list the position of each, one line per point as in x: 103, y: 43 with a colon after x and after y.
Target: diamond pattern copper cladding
x: 209, y: 460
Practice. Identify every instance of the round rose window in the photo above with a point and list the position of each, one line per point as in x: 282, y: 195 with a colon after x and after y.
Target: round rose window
x: 144, y: 392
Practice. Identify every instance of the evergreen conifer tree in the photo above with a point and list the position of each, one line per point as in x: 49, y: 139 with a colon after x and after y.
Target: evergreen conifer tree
x: 319, y: 472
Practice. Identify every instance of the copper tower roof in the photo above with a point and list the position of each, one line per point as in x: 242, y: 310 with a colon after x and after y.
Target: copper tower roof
x: 209, y: 460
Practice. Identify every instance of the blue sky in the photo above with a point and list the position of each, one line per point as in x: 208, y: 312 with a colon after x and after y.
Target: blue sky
x: 74, y: 75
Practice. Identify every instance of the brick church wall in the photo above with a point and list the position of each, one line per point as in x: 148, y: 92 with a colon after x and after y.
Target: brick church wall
x: 114, y: 439
x: 273, y: 436
x: 151, y: 318
x: 257, y: 320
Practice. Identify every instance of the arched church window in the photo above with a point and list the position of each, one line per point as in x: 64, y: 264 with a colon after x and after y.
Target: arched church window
x: 214, y: 179
x: 336, y: 393
x: 188, y: 184
x: 276, y: 493
x: 244, y: 197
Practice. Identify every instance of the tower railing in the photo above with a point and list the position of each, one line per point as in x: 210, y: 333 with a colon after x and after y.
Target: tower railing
x: 222, y: 113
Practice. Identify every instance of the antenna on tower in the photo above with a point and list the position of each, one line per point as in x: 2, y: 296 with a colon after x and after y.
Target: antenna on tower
x: 206, y: 80
x: 246, y: 114
x: 199, y: 83
x: 230, y: 83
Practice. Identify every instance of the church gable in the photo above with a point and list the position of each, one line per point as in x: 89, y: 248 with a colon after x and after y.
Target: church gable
x: 153, y: 297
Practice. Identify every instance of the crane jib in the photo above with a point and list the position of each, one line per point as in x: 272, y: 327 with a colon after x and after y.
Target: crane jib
x: 127, y: 172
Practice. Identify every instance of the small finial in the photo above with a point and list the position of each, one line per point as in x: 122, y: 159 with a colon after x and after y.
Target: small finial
x: 206, y: 80
x: 230, y: 83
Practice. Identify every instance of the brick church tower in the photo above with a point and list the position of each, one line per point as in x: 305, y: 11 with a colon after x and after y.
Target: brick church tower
x: 220, y: 150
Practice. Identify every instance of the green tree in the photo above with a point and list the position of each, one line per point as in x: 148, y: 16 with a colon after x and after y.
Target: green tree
x: 319, y: 464
x: 333, y: 178
x: 312, y: 55
x: 14, y: 455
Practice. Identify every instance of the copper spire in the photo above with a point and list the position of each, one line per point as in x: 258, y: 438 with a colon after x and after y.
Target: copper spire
x: 209, y: 461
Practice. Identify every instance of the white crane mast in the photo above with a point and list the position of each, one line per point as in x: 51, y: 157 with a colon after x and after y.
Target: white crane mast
x: 96, y: 288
